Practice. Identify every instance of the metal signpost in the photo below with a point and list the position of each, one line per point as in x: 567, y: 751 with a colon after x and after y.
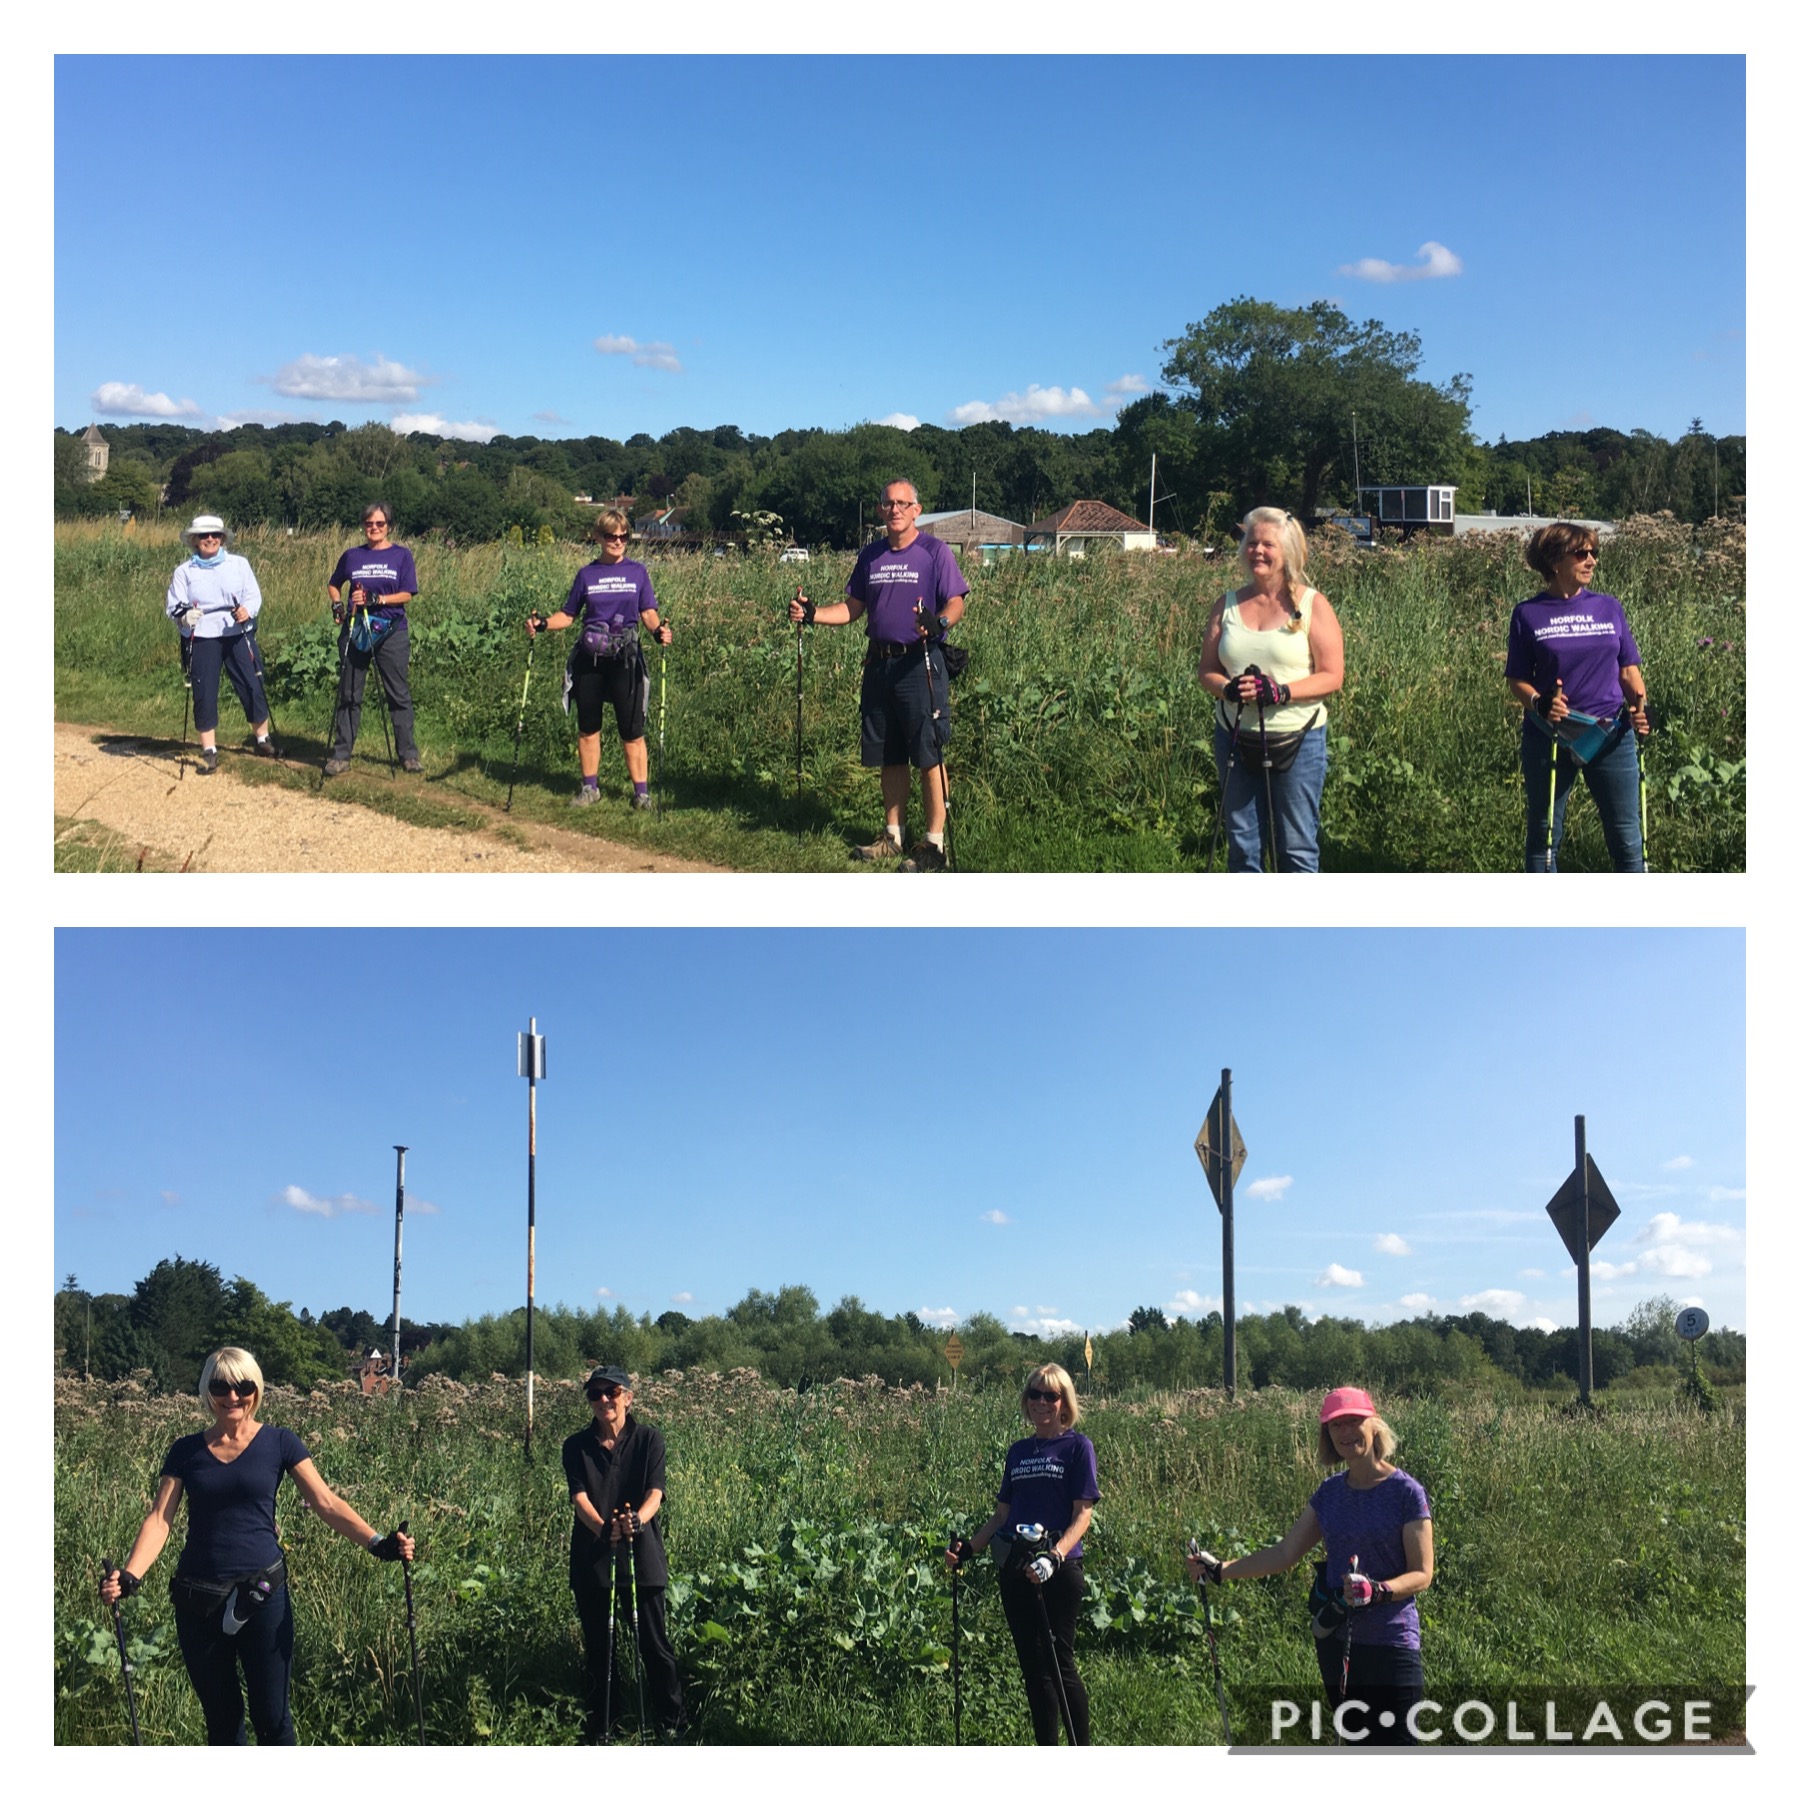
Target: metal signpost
x: 399, y: 1218
x: 1221, y: 1152
x: 1583, y: 1212
x: 1691, y: 1325
x: 532, y: 1067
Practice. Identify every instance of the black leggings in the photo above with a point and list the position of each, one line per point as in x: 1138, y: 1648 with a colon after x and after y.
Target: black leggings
x: 263, y: 1649
x: 1027, y: 1607
x: 1387, y: 1678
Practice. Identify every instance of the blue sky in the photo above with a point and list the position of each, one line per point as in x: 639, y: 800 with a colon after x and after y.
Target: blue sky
x: 567, y: 246
x: 728, y: 1109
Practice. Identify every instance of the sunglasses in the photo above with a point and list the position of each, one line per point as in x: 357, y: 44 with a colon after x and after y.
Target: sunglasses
x: 245, y: 1390
x: 604, y: 1393
x: 614, y: 537
x: 1043, y: 1394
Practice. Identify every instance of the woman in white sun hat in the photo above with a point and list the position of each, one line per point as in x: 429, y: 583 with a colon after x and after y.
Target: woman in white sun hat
x: 214, y: 598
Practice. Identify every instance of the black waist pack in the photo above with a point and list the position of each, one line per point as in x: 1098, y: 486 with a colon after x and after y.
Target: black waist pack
x: 204, y: 1599
x: 1325, y: 1606
x: 956, y: 658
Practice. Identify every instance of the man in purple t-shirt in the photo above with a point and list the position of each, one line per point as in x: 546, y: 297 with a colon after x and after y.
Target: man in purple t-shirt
x: 912, y: 591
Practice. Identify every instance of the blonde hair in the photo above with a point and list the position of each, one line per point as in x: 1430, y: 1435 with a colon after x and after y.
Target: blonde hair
x: 1056, y: 1376
x: 612, y: 520
x: 1287, y: 529
x: 232, y: 1364
x: 1386, y: 1443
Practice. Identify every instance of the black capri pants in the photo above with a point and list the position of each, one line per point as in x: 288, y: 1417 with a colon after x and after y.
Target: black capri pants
x: 241, y: 662
x: 1027, y: 1608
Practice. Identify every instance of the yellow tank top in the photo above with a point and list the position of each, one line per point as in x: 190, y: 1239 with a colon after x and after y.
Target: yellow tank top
x: 1283, y: 654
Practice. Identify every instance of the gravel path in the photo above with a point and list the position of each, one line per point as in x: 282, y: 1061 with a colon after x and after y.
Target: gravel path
x: 221, y: 824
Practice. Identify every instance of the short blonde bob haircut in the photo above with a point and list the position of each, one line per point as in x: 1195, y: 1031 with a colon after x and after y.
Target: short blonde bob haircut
x: 1053, y: 1375
x: 612, y: 520
x: 1386, y: 1443
x: 1292, y: 538
x: 231, y: 1364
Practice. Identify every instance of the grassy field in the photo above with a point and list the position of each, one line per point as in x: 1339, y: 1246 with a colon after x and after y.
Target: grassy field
x: 805, y: 1536
x: 1082, y: 740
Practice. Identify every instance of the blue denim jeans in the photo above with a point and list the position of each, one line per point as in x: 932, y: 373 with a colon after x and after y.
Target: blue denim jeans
x: 1612, y: 779
x: 1296, y: 790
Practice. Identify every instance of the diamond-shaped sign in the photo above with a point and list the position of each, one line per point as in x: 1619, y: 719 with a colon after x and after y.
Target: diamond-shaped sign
x: 1212, y: 1160
x: 953, y: 1351
x: 1603, y: 1209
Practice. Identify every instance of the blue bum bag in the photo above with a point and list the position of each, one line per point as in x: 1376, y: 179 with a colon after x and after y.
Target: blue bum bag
x: 1581, y: 734
x: 367, y: 629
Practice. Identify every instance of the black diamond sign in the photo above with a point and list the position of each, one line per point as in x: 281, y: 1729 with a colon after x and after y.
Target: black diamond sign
x: 1212, y: 1160
x: 1603, y: 1209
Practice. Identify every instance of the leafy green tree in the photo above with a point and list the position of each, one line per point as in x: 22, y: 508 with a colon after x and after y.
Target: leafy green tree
x: 1279, y: 384
x: 177, y: 1308
x: 238, y: 487
x: 290, y: 1353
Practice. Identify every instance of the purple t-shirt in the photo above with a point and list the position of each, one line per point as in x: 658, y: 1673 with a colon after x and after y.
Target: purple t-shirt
x: 1584, y: 642
x: 386, y: 571
x: 1045, y: 1480
x: 890, y: 583
x: 1368, y: 1523
x: 231, y: 1506
x: 607, y: 599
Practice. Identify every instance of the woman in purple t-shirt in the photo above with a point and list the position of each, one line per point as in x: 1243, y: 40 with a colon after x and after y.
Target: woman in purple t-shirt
x: 1570, y: 652
x: 1046, y: 1501
x: 1375, y: 1523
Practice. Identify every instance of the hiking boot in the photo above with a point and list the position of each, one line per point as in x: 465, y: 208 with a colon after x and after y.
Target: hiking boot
x: 411, y: 764
x: 263, y: 746
x: 924, y: 858
x: 337, y: 765
x: 884, y: 849
x: 585, y: 796
x: 209, y: 761
x: 640, y: 802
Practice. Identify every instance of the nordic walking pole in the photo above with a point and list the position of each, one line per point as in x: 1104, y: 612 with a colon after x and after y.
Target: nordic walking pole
x: 1262, y: 732
x: 629, y: 1545
x: 187, y: 690
x: 1550, y: 817
x: 262, y: 675
x: 943, y: 765
x: 1642, y: 745
x: 799, y: 718
x: 137, y: 1737
x: 662, y: 717
x: 412, y: 1627
x: 612, y: 1620
x: 341, y: 696
x: 519, y: 729
x: 1212, y: 1644
x: 1062, y: 1693
x: 956, y: 1646
x: 1230, y: 763
x: 1349, y: 1614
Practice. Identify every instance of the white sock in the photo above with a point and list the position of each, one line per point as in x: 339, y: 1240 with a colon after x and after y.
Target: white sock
x: 935, y: 837
x: 893, y: 831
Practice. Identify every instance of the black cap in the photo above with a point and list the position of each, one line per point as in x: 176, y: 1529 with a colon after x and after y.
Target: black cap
x: 611, y: 1376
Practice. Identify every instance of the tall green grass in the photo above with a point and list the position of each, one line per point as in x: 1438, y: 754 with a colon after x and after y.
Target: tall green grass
x: 805, y: 1536
x: 1082, y: 739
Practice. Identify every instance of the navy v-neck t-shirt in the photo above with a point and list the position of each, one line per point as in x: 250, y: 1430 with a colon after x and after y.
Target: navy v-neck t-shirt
x: 231, y: 1506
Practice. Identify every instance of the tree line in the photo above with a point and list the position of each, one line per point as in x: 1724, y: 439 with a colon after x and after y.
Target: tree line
x: 181, y: 1311
x: 1260, y: 404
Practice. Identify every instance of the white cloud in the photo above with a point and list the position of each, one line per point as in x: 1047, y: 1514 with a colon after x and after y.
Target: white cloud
x: 937, y: 1315
x: 378, y: 382
x: 1498, y: 1302
x: 1419, y: 1302
x: 470, y: 431
x: 251, y: 416
x: 1541, y: 1323
x: 1270, y: 1187
x: 1435, y: 262
x: 1021, y: 1312
x: 1126, y: 387
x: 1336, y: 1275
x: 550, y: 416
x: 645, y: 356
x: 1679, y: 1162
x: 603, y: 1293
x: 1715, y: 1194
x: 321, y: 1206
x: 1029, y: 408
x: 1052, y: 1327
x: 415, y: 1204
x: 1391, y: 1243
x: 118, y: 399
x: 900, y: 421
x: 1677, y: 1248
x: 684, y: 1298
x: 1188, y: 1300
x: 994, y: 1216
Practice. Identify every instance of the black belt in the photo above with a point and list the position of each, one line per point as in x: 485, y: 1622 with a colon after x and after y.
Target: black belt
x: 886, y: 652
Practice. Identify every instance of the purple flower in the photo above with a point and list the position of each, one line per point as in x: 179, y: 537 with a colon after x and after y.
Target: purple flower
x: 1706, y: 643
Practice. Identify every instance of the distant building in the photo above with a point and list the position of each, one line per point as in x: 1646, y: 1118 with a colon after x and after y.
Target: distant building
x: 1088, y: 522
x: 972, y: 532
x: 97, y: 452
x: 1409, y: 508
x: 1522, y: 523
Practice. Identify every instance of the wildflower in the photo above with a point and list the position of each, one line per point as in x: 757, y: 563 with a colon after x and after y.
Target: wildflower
x: 1705, y: 643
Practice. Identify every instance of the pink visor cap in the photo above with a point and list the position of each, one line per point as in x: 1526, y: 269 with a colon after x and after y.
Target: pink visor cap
x: 1346, y: 1403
